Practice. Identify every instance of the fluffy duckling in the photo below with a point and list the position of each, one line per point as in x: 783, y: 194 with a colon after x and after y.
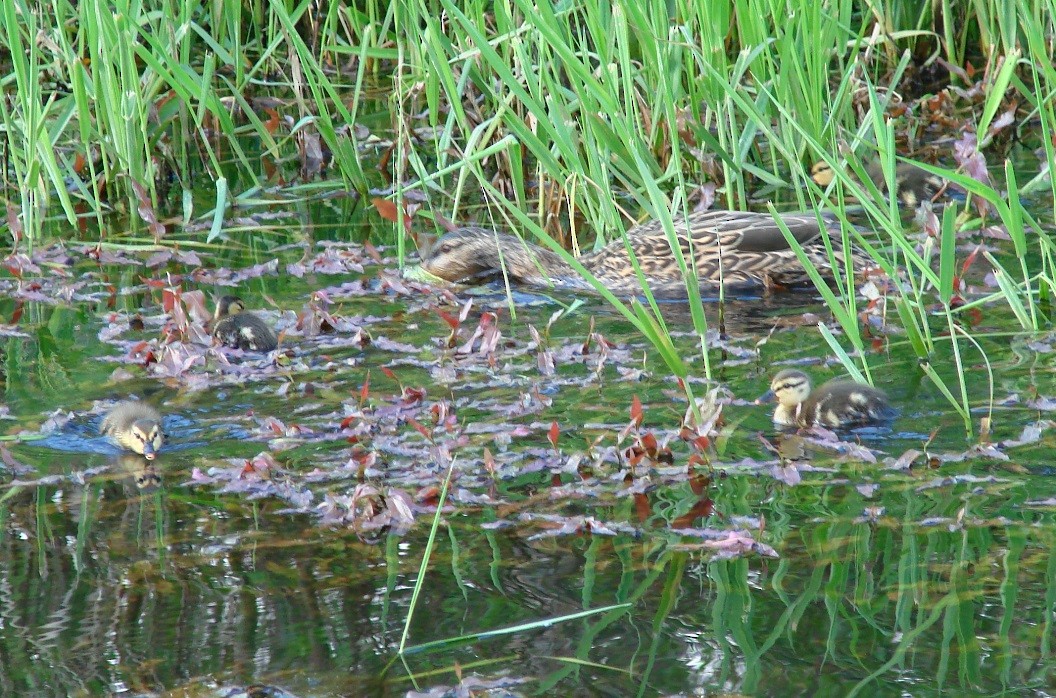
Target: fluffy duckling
x: 837, y: 403
x: 913, y: 184
x: 136, y: 426
x: 738, y: 248
x: 241, y: 330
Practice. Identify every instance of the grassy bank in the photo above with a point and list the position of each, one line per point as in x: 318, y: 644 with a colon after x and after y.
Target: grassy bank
x: 566, y: 121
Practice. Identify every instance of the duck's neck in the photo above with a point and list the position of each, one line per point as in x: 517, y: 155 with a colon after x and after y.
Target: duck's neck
x: 529, y: 262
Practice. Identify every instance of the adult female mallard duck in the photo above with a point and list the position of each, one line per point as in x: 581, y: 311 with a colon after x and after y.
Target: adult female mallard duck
x: 730, y: 247
x: 136, y: 426
x: 913, y: 185
x: 238, y: 329
x: 837, y: 403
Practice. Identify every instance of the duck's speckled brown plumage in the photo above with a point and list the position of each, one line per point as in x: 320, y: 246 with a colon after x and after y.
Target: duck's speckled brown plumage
x: 837, y: 403
x: 731, y: 247
x: 241, y: 330
x: 136, y: 426
x: 912, y: 184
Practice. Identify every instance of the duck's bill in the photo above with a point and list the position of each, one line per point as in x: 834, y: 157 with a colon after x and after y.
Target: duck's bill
x: 148, y: 452
x: 419, y: 273
x: 766, y: 397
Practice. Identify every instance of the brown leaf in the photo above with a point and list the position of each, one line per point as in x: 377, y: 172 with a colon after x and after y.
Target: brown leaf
x: 387, y: 209
x: 636, y: 411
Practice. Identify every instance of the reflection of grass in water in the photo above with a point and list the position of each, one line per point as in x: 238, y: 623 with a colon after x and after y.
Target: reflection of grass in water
x: 858, y: 592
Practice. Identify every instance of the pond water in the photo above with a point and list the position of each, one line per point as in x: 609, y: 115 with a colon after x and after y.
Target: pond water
x: 275, y: 546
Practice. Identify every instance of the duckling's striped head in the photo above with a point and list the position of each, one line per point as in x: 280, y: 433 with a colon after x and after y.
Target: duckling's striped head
x: 789, y: 387
x: 821, y: 173
x: 144, y: 436
x: 229, y: 305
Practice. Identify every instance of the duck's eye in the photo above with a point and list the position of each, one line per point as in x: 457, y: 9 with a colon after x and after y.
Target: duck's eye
x: 444, y: 248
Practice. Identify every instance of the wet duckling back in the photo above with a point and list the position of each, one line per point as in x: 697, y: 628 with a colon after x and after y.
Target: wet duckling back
x: 837, y: 403
x: 135, y: 426
x: 241, y: 330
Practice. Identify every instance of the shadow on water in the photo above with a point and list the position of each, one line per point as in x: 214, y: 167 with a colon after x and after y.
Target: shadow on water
x: 256, y: 549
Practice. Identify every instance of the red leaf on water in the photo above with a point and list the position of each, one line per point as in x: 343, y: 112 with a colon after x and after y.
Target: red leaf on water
x: 553, y: 433
x: 272, y: 124
x: 419, y: 428
x: 428, y: 496
x: 642, y: 508
x: 636, y: 411
x: 169, y: 299
x: 388, y: 210
x: 451, y: 320
x: 969, y: 259
x: 364, y: 392
x: 699, y: 484
x: 372, y: 251
x: 411, y: 396
x: 388, y: 372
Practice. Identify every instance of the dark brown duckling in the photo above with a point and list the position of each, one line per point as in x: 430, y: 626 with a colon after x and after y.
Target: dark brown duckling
x: 836, y: 404
x: 731, y: 247
x: 913, y: 185
x: 238, y: 329
x: 136, y: 426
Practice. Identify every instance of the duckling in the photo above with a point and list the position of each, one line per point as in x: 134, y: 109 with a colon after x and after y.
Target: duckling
x: 136, y: 426
x: 914, y: 185
x: 730, y: 247
x: 241, y: 330
x: 837, y: 403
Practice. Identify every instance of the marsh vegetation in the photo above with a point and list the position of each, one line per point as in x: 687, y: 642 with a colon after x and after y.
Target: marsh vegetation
x: 510, y: 489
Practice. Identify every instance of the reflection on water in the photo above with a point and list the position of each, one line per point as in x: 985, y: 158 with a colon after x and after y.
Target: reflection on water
x: 111, y: 586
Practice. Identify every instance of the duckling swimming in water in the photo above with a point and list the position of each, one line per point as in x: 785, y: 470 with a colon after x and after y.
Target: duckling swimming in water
x: 729, y: 247
x: 913, y: 184
x: 837, y: 403
x: 136, y: 426
x: 238, y: 329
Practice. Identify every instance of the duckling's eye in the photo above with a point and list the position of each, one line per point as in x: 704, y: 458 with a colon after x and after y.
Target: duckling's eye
x: 444, y: 248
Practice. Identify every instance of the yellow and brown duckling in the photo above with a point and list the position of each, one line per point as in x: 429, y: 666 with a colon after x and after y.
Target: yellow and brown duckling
x: 913, y: 185
x: 836, y: 404
x: 238, y: 329
x: 734, y: 248
x: 136, y: 426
